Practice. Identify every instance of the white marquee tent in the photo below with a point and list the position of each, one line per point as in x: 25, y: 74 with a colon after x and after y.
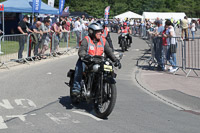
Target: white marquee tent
x: 128, y: 14
x: 163, y: 15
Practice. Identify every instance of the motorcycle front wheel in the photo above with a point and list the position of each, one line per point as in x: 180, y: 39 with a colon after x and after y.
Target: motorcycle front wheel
x: 105, y: 103
x: 122, y: 45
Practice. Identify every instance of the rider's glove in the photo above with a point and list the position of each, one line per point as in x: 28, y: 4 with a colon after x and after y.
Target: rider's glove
x: 87, y: 57
x: 118, y: 64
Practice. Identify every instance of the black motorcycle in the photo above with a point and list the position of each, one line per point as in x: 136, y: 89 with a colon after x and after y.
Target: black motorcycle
x: 98, y: 85
x: 124, y: 42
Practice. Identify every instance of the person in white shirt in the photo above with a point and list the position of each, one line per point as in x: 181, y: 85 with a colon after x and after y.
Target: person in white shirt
x: 193, y: 29
x: 77, y: 29
x: 171, y: 41
x: 84, y: 29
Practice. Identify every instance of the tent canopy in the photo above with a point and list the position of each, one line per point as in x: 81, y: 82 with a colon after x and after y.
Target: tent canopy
x: 163, y: 15
x: 25, y: 6
x: 128, y: 14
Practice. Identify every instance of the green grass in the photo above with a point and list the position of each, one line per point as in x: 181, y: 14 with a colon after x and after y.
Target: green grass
x: 10, y: 47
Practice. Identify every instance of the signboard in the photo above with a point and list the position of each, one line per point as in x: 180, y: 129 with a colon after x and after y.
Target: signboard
x: 51, y: 3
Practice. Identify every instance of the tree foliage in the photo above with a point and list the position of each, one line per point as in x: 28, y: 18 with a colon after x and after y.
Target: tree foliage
x: 96, y: 7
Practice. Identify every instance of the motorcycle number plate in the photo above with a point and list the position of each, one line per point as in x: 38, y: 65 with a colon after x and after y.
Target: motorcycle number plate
x: 108, y: 68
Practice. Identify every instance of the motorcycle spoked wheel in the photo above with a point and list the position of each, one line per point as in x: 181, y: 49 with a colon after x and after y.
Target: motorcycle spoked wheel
x: 125, y: 45
x: 104, y: 105
x: 122, y: 45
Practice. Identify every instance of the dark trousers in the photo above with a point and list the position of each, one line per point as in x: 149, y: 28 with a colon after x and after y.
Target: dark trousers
x: 22, y: 41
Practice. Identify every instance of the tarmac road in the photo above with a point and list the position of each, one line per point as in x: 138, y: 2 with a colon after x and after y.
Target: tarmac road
x: 35, y: 99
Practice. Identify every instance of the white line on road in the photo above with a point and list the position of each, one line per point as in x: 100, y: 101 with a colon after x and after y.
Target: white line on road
x: 2, y: 123
x: 6, y: 104
x: 87, y: 114
x: 53, y: 118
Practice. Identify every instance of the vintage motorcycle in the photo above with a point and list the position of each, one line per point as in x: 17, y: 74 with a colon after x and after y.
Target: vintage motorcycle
x: 124, y: 42
x: 98, y: 85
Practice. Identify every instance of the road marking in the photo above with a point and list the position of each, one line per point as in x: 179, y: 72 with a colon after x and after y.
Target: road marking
x: 62, y: 118
x: 2, y: 123
x: 19, y: 102
x: 87, y: 114
x: 21, y: 117
x: 53, y: 118
x: 6, y: 104
x: 49, y: 73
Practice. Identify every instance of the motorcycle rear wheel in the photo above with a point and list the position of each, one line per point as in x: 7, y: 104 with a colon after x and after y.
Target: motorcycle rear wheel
x: 104, y: 105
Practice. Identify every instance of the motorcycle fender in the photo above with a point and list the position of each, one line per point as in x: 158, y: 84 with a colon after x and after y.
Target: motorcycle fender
x: 110, y: 80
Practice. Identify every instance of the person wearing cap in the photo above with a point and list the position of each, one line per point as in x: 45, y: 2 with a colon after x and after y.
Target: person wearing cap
x: 23, y: 29
x: 93, y: 44
x: 125, y: 29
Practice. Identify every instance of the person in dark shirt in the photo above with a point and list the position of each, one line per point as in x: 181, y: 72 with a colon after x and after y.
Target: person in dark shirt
x: 23, y: 29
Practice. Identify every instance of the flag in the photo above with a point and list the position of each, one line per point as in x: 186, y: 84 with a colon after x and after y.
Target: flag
x: 66, y: 9
x: 107, y: 10
x: 61, y: 6
x: 36, y: 5
x: 51, y: 3
x: 1, y: 7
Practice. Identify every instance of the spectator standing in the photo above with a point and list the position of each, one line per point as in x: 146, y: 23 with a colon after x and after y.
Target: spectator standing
x: 84, y: 29
x: 45, y: 37
x: 193, y: 29
x: 77, y: 31
x: 66, y: 29
x: 23, y: 29
x: 165, y: 47
x: 171, y: 41
x: 57, y: 31
x: 184, y: 25
x: 36, y: 37
x: 159, y: 42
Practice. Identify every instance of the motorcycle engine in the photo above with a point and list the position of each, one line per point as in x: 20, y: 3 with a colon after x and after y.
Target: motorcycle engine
x: 96, y: 68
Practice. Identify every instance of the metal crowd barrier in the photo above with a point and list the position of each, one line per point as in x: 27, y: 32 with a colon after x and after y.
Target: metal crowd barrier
x: 187, y: 55
x: 192, y: 54
x: 9, y: 47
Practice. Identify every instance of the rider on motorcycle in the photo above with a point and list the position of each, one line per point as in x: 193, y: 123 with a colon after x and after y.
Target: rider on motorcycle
x: 92, y: 45
x: 106, y: 33
x: 125, y: 29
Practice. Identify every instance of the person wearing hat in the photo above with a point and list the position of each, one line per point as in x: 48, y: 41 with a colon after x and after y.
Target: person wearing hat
x: 23, y: 29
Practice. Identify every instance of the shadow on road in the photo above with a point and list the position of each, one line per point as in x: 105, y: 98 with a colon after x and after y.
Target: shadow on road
x: 66, y: 102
